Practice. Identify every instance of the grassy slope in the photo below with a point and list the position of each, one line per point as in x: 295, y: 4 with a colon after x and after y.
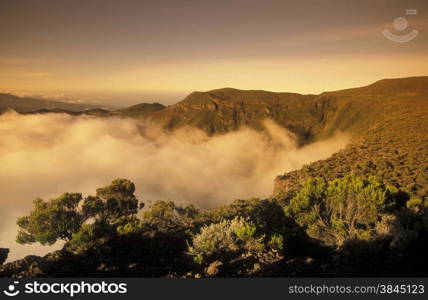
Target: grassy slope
x: 389, y: 121
x: 310, y: 117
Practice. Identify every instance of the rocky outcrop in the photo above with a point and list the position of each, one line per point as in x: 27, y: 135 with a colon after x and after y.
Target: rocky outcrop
x: 214, y: 268
x: 225, y: 110
x: 55, y: 264
x: 26, y: 267
x: 4, y: 252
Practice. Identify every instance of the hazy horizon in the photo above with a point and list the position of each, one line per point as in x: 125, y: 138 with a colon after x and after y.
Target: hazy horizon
x: 127, y: 52
x: 108, y: 99
x: 122, y: 99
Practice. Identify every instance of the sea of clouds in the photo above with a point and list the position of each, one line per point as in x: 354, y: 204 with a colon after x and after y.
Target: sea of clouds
x: 47, y: 155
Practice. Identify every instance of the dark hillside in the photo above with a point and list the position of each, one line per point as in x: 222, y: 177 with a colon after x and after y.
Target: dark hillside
x: 224, y: 110
x: 310, y: 117
x: 26, y: 104
x: 141, y: 110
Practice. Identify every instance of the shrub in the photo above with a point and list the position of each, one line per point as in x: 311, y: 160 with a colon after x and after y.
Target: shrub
x: 267, y: 214
x: 246, y: 231
x: 276, y: 242
x: 225, y: 237
x: 51, y: 220
x: 62, y: 218
x: 134, y: 226
x: 91, y: 237
x: 341, y: 209
x: 416, y: 204
x: 165, y: 215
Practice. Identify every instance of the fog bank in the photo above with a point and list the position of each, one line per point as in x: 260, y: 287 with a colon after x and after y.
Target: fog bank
x: 46, y: 155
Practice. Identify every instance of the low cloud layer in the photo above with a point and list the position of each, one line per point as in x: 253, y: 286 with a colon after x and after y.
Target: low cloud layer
x: 46, y: 155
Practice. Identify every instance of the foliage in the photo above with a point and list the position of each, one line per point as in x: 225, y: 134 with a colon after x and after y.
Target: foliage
x: 167, y: 214
x: 276, y: 242
x: 245, y: 232
x: 341, y: 209
x: 88, y: 237
x: 371, y: 230
x: 267, y: 214
x: 119, y: 201
x: 380, y: 230
x: 49, y: 221
x: 70, y: 216
x: 225, y: 237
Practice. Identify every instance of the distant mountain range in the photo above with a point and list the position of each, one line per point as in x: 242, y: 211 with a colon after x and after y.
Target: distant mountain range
x: 28, y: 104
x: 387, y: 120
x: 310, y: 117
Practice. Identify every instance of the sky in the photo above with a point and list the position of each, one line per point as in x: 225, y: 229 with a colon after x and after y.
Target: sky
x: 125, y: 52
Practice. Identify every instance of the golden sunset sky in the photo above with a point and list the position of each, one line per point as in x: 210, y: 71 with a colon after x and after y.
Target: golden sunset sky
x: 162, y: 50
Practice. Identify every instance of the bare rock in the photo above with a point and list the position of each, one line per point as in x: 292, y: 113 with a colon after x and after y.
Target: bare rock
x: 214, y: 268
x: 4, y: 252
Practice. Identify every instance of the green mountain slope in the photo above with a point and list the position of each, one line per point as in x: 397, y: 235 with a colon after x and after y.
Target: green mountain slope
x: 389, y: 121
x: 310, y: 117
x: 281, y: 236
x: 224, y: 110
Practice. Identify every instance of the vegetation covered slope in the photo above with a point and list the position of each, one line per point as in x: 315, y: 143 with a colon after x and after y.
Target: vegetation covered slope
x: 310, y: 117
x: 393, y: 145
x: 361, y: 212
x: 350, y: 226
x: 224, y: 110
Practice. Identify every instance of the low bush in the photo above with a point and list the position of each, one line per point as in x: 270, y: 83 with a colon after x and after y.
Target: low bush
x: 225, y: 238
x: 341, y: 209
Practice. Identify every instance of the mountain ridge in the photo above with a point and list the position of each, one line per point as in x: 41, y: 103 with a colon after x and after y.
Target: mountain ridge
x: 310, y: 117
x: 30, y: 104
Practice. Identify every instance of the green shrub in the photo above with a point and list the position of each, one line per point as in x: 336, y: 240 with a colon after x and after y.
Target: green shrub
x: 246, y: 231
x: 341, y: 209
x: 225, y: 237
x: 90, y: 236
x: 165, y: 215
x: 51, y: 220
x: 131, y: 227
x: 267, y: 214
x: 416, y: 204
x: 70, y: 216
x: 276, y: 242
